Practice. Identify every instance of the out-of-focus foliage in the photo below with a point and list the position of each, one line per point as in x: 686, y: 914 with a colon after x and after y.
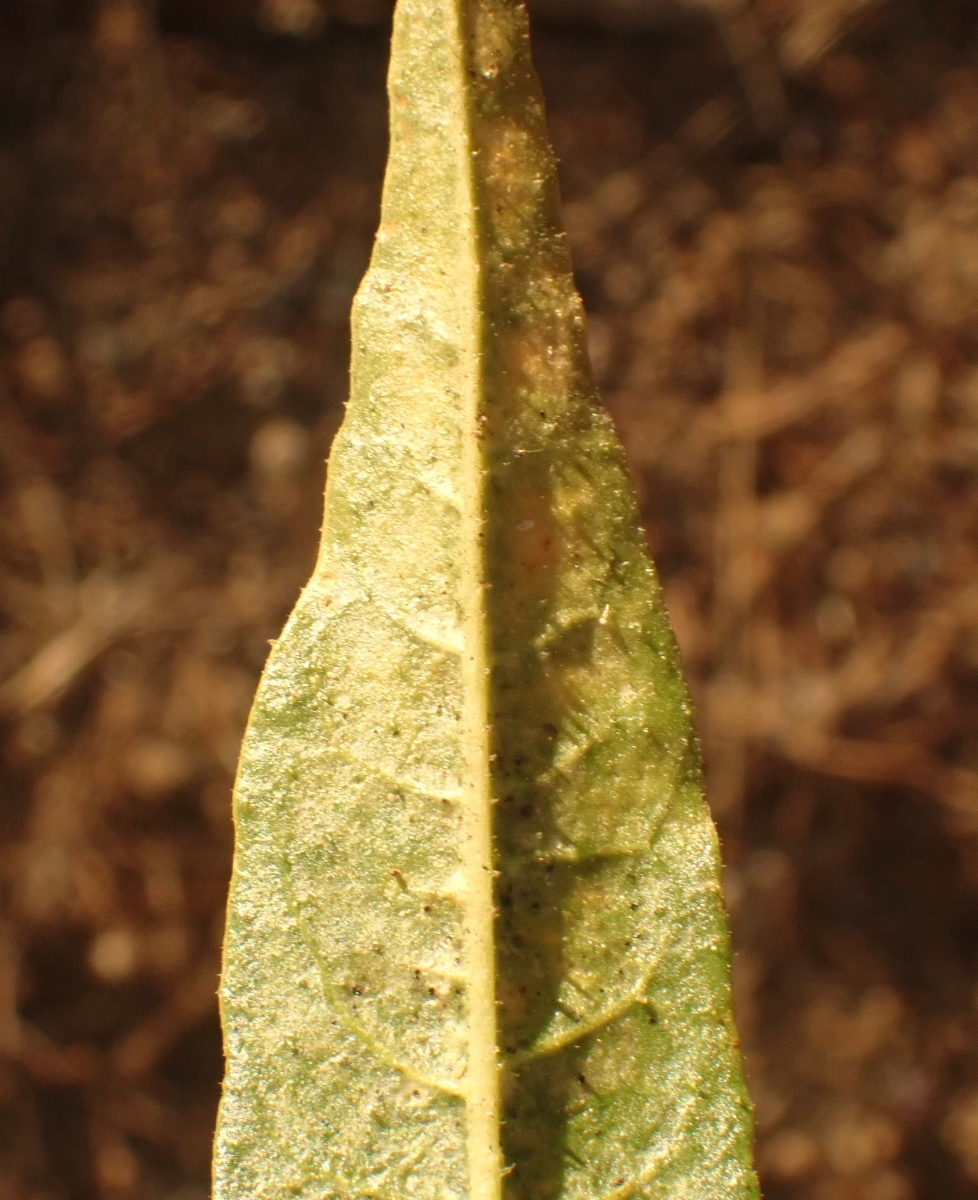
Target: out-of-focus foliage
x: 780, y: 268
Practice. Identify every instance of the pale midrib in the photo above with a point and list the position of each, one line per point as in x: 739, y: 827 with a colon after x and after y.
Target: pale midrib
x: 482, y: 1072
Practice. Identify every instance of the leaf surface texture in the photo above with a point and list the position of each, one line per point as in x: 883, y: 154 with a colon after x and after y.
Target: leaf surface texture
x: 476, y: 946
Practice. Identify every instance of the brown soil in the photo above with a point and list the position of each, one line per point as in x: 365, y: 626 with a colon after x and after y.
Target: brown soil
x: 777, y: 241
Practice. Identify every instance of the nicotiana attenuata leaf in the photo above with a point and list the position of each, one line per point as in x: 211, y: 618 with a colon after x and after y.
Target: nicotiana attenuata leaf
x: 475, y: 943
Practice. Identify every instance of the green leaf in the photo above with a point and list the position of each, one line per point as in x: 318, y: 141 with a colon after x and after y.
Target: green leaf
x: 475, y: 943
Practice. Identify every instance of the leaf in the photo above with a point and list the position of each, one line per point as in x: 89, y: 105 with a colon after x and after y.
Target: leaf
x: 475, y: 941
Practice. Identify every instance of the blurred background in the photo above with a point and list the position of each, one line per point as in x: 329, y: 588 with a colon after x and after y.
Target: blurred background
x: 773, y: 210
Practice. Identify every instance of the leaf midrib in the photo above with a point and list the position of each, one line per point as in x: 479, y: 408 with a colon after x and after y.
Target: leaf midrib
x: 482, y: 1067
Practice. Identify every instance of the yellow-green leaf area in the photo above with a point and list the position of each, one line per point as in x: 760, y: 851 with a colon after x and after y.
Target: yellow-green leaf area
x: 475, y: 942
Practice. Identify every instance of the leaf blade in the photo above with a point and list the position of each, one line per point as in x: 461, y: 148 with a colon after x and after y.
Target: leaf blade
x: 480, y: 676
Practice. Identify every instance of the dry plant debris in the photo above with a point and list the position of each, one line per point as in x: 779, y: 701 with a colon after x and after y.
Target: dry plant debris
x: 783, y: 311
